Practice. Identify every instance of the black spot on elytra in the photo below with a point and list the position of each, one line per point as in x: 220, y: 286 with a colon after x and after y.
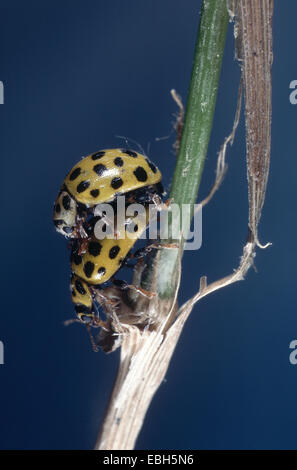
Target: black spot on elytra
x: 130, y: 153
x: 102, y: 271
x: 77, y: 259
x: 79, y: 287
x: 98, y: 155
x: 82, y: 186
x: 116, y: 183
x: 94, y: 192
x: 89, y: 268
x: 140, y: 174
x: 82, y: 309
x: 114, y: 251
x: 58, y: 208
x: 74, y: 174
x: 66, y: 202
x: 100, y: 169
x: 152, y: 166
x: 94, y: 248
x: 118, y: 161
x: 136, y: 228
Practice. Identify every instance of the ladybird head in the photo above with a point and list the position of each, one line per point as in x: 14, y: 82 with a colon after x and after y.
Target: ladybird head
x: 65, y: 212
x: 85, y: 318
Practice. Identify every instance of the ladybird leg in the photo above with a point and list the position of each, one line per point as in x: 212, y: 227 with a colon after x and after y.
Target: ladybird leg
x: 82, y: 246
x: 79, y: 230
x: 95, y: 322
x: 124, y: 285
x: 93, y: 343
x: 141, y: 252
x: 162, y: 206
x: 167, y: 245
x: 150, y: 195
x: 144, y: 292
x: 99, y: 295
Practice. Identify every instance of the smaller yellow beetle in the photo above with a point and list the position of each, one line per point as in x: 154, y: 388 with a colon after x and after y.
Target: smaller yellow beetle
x: 82, y: 299
x: 99, y: 263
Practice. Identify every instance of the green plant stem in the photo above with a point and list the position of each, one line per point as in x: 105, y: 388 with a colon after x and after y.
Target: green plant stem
x: 197, y: 125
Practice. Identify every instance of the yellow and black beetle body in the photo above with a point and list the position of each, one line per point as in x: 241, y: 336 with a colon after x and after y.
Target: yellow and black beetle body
x: 100, y: 261
x: 82, y: 299
x: 101, y: 177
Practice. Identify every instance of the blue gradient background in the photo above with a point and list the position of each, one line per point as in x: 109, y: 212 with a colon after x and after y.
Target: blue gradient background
x: 76, y: 74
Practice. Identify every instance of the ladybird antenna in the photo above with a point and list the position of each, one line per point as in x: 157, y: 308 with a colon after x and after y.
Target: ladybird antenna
x: 164, y: 137
x: 71, y: 321
x: 128, y: 139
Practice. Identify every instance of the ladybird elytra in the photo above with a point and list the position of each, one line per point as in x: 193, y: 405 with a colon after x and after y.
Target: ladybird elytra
x: 102, y: 175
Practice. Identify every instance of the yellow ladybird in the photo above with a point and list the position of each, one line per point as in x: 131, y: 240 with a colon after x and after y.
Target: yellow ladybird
x: 100, y: 178
x: 100, y: 261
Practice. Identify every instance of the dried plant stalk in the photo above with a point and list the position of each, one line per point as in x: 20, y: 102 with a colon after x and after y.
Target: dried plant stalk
x: 254, y: 49
x: 145, y: 357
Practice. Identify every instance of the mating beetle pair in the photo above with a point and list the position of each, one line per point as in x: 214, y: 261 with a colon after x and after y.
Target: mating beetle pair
x: 100, y: 178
